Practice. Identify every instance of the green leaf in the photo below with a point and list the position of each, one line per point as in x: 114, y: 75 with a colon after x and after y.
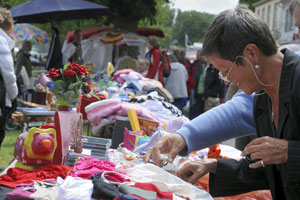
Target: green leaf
x: 93, y: 94
x: 69, y: 94
x: 66, y: 66
x: 73, y: 85
x: 60, y: 84
x: 77, y: 77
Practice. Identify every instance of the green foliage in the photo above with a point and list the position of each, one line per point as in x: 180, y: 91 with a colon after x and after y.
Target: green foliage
x: 60, y: 85
x: 128, y: 15
x: 249, y: 2
x: 11, y: 3
x: 164, y: 20
x: 131, y: 11
x: 192, y: 23
x: 8, y: 146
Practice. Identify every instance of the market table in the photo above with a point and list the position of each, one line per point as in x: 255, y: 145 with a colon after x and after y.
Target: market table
x: 32, y: 117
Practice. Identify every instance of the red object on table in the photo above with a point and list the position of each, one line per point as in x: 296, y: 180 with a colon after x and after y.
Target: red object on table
x: 46, y: 126
x: 84, y: 101
x: 68, y: 126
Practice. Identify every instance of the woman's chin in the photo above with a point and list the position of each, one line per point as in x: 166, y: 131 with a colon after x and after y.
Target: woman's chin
x: 248, y: 91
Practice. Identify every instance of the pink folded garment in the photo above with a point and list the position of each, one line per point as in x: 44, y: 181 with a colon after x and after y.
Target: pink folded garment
x: 89, y: 166
x: 110, y: 110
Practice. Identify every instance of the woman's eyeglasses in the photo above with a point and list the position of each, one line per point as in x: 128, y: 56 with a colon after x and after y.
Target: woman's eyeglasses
x: 225, y: 78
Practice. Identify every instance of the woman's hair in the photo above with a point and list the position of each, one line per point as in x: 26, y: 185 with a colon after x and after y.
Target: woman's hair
x: 6, y: 21
x: 293, y: 4
x: 153, y: 40
x: 232, y: 30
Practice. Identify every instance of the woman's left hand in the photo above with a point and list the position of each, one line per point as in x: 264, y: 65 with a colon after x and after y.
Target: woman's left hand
x: 269, y: 150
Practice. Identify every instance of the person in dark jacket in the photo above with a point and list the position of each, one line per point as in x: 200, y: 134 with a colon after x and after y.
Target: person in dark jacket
x: 23, y: 58
x: 213, y: 87
x: 54, y: 59
x: 209, y: 89
x: 196, y: 100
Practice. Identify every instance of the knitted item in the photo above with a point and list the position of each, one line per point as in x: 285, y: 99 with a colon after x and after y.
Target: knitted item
x: 16, y: 176
x: 215, y: 152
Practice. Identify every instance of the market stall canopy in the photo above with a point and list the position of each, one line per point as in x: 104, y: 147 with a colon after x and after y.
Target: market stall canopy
x: 29, y: 32
x: 92, y: 31
x: 43, y: 11
x: 98, y: 44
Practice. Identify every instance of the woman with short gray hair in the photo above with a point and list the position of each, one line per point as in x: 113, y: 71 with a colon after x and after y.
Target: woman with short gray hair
x: 240, y: 45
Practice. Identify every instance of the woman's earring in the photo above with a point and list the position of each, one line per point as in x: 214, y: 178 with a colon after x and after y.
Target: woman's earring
x: 256, y: 66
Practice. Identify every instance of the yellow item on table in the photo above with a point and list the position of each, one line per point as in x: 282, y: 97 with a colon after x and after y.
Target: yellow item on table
x: 110, y: 69
x: 17, y: 114
x: 133, y: 119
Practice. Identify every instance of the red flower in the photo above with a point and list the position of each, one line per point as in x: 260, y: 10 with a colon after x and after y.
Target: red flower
x: 83, y: 70
x: 79, y: 69
x: 69, y: 72
x: 53, y: 73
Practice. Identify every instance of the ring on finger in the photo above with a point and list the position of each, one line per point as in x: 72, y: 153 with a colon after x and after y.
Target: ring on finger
x: 262, y: 163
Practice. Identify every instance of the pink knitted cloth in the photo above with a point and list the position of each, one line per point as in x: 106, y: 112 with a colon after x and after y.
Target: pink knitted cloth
x: 88, y: 166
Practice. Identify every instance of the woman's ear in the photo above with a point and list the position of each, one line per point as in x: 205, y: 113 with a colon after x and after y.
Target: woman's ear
x: 252, y: 52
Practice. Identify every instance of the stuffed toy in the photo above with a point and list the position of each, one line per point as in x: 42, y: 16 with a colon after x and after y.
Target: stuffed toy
x: 36, y: 147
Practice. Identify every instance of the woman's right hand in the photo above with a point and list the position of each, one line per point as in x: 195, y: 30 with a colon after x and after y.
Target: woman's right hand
x: 171, y: 144
x: 194, y: 170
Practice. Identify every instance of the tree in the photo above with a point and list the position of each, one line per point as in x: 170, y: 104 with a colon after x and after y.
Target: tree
x: 192, y: 23
x: 10, y: 4
x: 126, y: 14
x: 249, y: 2
x: 164, y: 19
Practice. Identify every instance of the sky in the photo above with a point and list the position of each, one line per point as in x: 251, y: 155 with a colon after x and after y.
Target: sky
x: 209, y: 6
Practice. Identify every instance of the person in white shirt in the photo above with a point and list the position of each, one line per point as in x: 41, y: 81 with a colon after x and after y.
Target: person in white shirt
x: 176, y: 82
x: 9, y: 90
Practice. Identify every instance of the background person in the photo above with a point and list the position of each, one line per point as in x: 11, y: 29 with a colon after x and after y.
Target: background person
x: 77, y: 55
x: 54, y: 56
x: 213, y: 87
x: 175, y: 83
x: 23, y: 58
x: 154, y: 57
x: 9, y: 90
x: 197, y: 69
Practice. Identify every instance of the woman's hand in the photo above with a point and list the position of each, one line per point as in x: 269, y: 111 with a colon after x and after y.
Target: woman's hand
x: 194, y: 170
x: 171, y: 143
x: 269, y: 150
